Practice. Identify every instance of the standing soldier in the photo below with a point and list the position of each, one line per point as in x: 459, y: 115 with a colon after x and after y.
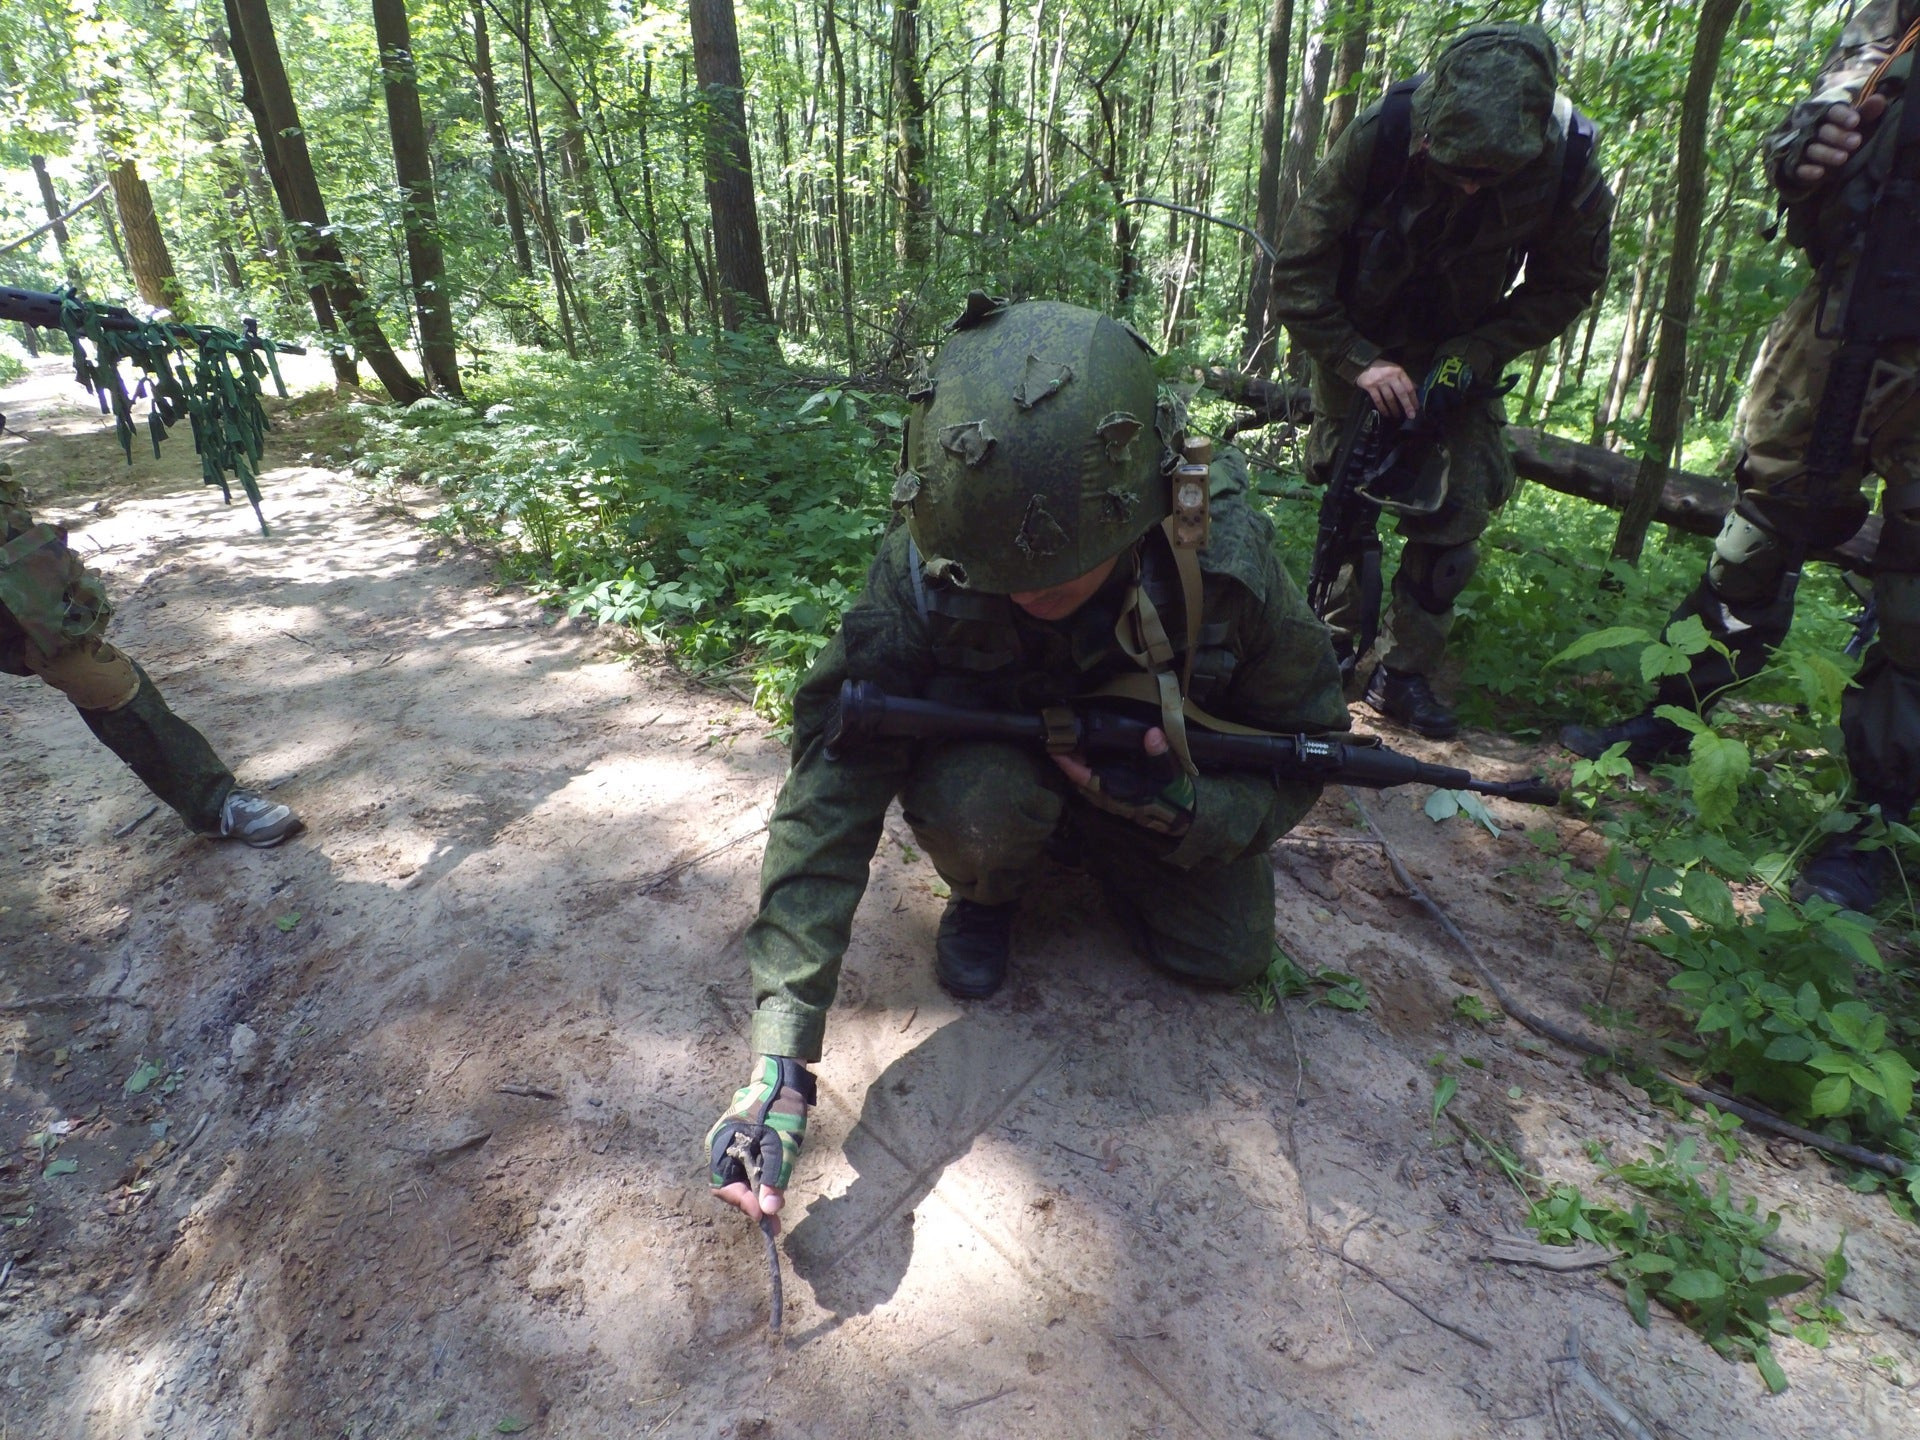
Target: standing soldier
x: 1399, y: 260
x: 1805, y: 446
x: 1036, y: 564
x: 53, y: 613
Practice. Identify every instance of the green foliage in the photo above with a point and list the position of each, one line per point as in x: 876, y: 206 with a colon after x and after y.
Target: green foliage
x: 1796, y: 1005
x: 1283, y: 979
x: 1699, y: 1253
x: 727, y: 519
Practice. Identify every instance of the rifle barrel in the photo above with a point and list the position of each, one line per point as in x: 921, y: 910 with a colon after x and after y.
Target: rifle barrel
x: 40, y: 309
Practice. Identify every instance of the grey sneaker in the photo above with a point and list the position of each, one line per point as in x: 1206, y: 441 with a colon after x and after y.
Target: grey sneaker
x: 255, y: 820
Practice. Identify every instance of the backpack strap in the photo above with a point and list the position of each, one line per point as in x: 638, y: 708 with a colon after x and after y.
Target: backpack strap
x: 1581, y: 134
x: 1392, y: 138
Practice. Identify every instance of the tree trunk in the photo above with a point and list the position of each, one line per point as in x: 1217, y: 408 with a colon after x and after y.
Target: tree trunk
x: 738, y: 257
x: 910, y: 138
x: 50, y: 199
x: 1263, y: 337
x: 843, y: 227
x: 505, y: 180
x: 413, y: 168
x: 1303, y: 143
x: 345, y: 371
x: 1670, y: 367
x: 1349, y: 69
x: 256, y: 51
x: 147, y: 254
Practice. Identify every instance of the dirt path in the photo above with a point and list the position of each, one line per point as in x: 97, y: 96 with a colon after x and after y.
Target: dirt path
x: 420, y: 1154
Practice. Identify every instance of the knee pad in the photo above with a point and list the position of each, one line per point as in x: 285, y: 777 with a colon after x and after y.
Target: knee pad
x: 93, y: 676
x: 1749, y: 559
x: 1435, y: 575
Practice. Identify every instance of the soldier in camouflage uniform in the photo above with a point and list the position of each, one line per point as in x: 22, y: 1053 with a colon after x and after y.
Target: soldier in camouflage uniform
x: 53, y: 614
x: 1033, y: 567
x: 1827, y: 160
x: 1396, y: 266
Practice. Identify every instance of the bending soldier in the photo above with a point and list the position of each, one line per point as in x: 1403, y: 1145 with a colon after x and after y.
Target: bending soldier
x: 1828, y: 160
x: 53, y: 614
x: 1399, y: 261
x: 1034, y: 566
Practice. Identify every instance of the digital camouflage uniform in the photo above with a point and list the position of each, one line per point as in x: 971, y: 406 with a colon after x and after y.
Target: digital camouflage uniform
x: 53, y: 613
x: 1199, y: 906
x: 1427, y: 272
x: 1744, y: 598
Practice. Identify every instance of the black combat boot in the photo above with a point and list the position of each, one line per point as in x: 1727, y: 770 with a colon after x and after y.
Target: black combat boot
x: 970, y: 953
x: 1648, y: 736
x: 1409, y: 700
x: 1843, y: 873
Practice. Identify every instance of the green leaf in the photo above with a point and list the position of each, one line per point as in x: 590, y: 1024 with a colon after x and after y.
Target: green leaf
x: 1442, y: 805
x: 60, y: 1167
x: 1769, y: 1368
x: 513, y: 1424
x: 1789, y: 1049
x: 1688, y: 635
x: 1443, y: 1094
x: 1637, y: 1304
x: 1708, y: 899
x: 1687, y: 720
x: 287, y: 922
x: 1832, y: 1096
x: 1657, y: 661
x: 1774, y: 1286
x: 143, y: 1077
x: 1650, y: 1262
x: 1696, y: 1285
x: 1616, y: 637
x: 1898, y: 1076
x: 1476, y: 809
x: 1714, y: 775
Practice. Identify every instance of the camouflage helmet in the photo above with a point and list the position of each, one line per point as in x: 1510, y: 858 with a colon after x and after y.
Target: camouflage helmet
x: 1488, y: 105
x: 1032, y: 452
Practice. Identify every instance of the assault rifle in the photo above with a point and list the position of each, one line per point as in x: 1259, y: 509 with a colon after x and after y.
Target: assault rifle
x: 867, y: 713
x: 1349, y: 527
x: 219, y: 394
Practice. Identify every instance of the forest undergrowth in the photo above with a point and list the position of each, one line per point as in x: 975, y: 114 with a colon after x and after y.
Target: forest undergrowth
x: 726, y: 514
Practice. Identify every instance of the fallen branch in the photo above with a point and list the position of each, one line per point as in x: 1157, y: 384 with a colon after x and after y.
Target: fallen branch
x: 59, y: 219
x: 1590, y: 1382
x: 1585, y: 1045
x: 660, y: 877
x: 1402, y: 1296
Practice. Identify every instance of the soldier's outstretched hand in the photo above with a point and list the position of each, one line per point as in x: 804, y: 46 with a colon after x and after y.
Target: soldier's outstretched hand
x: 1151, y: 791
x: 1837, y: 138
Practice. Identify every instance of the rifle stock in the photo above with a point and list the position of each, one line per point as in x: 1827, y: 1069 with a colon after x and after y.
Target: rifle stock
x: 867, y: 713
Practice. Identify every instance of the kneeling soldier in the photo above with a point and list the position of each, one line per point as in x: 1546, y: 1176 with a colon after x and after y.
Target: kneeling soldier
x: 1039, y: 562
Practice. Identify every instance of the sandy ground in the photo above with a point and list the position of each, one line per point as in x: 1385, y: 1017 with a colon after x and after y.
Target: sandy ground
x: 420, y: 1153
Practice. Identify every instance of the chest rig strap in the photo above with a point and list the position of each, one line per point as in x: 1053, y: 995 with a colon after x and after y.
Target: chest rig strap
x: 1142, y: 635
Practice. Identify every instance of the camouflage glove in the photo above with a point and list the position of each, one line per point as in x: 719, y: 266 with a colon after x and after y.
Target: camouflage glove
x: 756, y: 1142
x: 1446, y: 387
x: 1151, y: 791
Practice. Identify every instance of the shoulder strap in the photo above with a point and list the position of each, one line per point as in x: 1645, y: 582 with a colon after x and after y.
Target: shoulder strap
x: 1392, y: 136
x: 1581, y: 134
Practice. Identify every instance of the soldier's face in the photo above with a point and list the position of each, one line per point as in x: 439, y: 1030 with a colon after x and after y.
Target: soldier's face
x: 1057, y: 602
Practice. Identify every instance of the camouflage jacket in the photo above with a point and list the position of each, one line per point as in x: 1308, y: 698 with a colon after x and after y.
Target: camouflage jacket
x: 46, y: 595
x: 1273, y: 665
x: 1428, y: 270
x: 1869, y: 37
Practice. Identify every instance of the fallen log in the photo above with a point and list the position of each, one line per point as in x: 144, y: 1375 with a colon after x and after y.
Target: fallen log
x: 1695, y: 504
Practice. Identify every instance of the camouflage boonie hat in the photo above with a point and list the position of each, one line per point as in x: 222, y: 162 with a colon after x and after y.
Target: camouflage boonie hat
x: 1488, y: 104
x: 1032, y: 452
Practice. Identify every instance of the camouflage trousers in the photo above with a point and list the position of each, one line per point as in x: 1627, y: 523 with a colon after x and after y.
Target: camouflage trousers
x: 1783, y: 511
x: 52, y: 613
x: 1480, y: 479
x: 984, y: 812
